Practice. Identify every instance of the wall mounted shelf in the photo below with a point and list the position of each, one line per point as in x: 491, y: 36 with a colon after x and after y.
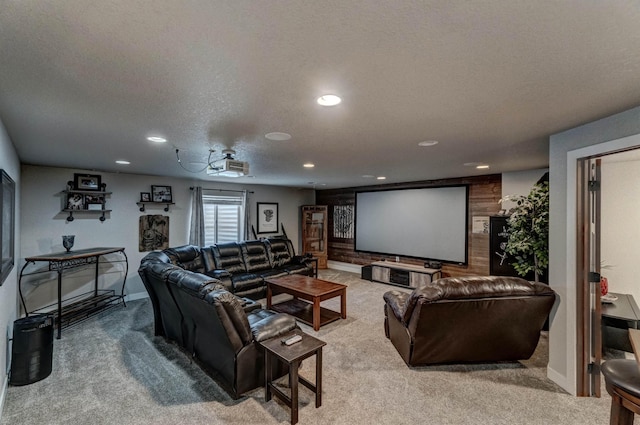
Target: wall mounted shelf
x: 84, y: 199
x: 143, y: 205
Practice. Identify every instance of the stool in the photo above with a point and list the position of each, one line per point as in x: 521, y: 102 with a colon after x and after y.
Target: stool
x: 292, y: 355
x: 622, y: 379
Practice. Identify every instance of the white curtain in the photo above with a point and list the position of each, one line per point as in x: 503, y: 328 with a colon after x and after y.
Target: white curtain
x: 247, y: 218
x: 196, y: 226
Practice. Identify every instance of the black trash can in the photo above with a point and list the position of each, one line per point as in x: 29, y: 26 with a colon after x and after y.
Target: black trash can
x: 32, y: 352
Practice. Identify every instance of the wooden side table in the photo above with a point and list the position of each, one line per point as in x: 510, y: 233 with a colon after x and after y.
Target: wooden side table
x: 292, y: 355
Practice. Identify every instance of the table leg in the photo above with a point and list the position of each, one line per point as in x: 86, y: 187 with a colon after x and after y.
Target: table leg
x: 59, y: 303
x: 319, y: 377
x: 343, y: 304
x: 269, y: 295
x: 267, y: 376
x: 293, y: 384
x: 316, y: 314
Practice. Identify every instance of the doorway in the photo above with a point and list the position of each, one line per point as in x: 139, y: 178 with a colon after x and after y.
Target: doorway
x: 607, y: 235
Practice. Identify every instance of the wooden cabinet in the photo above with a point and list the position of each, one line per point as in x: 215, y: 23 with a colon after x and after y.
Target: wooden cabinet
x: 314, y: 232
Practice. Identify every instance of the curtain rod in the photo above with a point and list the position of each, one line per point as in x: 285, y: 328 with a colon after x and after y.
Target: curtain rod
x: 224, y: 190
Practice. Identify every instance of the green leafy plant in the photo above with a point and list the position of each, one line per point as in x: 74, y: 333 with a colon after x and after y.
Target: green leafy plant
x: 528, y: 240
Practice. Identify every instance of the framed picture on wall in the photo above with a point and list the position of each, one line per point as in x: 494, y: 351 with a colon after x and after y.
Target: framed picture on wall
x: 87, y: 181
x: 161, y: 194
x: 7, y: 212
x: 267, y: 217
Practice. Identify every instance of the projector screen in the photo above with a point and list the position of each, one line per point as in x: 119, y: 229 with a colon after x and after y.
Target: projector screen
x: 428, y: 223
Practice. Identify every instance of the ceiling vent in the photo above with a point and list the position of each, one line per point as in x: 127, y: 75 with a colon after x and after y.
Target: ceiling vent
x: 228, y: 166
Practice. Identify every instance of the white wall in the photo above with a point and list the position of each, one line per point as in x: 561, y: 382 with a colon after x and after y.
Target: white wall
x: 519, y: 183
x: 564, y: 148
x: 620, y: 233
x: 43, y: 224
x: 8, y: 291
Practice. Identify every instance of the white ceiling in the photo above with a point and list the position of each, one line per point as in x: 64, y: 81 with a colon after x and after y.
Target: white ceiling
x: 83, y: 83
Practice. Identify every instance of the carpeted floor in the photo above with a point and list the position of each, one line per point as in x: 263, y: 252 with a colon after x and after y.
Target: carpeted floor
x: 112, y: 370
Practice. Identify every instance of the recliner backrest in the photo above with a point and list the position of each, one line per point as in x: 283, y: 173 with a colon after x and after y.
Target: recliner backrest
x: 256, y: 257
x: 280, y: 251
x: 228, y: 256
x: 473, y: 287
x: 232, y: 316
x: 187, y: 256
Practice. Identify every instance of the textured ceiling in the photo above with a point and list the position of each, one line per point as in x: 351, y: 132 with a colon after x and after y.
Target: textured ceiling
x: 83, y: 83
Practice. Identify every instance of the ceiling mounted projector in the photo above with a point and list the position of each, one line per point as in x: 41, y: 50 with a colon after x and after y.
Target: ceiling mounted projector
x: 228, y: 166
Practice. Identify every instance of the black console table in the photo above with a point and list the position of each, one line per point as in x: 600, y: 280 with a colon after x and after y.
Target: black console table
x: 75, y: 309
x: 617, y: 318
x: 402, y: 274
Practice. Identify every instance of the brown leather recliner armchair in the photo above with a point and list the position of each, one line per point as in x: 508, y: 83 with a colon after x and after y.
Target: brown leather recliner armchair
x: 465, y: 320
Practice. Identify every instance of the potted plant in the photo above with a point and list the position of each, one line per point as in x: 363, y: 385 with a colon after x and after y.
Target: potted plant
x: 528, y: 240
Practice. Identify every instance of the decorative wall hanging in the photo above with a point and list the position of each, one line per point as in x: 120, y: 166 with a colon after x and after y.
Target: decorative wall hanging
x: 267, y: 217
x: 343, y: 221
x: 154, y: 232
x: 7, y: 212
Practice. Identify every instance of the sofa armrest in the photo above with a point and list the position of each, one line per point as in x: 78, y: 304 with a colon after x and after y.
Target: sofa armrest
x: 397, y: 301
x: 300, y: 259
x: 273, y: 326
x: 249, y: 305
x: 220, y: 274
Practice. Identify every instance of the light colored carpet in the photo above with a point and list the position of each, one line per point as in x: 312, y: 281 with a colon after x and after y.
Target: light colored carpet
x: 112, y: 370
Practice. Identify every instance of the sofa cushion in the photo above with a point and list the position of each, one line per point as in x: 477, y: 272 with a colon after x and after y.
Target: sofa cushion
x: 228, y: 256
x: 245, y: 281
x: 255, y: 256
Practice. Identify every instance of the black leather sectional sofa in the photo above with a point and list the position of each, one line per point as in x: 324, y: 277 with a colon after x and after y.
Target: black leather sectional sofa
x: 242, y: 266
x: 200, y: 306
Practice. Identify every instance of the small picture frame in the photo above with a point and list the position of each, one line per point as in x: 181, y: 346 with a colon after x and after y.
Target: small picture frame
x: 161, y: 193
x: 145, y: 197
x: 75, y: 201
x: 87, y: 181
x: 90, y: 199
x: 267, y: 217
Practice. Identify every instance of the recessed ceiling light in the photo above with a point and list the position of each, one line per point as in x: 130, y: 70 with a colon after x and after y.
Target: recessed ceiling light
x: 278, y: 136
x: 329, y: 100
x: 381, y: 178
x: 428, y: 143
x: 308, y: 165
x: 156, y: 139
x: 123, y: 162
x: 482, y: 167
x: 472, y: 164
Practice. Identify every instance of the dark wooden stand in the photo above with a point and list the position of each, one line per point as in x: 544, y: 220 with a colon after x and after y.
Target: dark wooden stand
x: 69, y: 311
x: 617, y: 318
x: 292, y: 355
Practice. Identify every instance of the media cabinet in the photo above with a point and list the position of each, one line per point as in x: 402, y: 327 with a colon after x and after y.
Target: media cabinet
x: 407, y: 275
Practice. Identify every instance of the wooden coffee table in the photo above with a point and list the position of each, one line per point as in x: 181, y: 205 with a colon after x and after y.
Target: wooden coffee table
x: 307, y: 293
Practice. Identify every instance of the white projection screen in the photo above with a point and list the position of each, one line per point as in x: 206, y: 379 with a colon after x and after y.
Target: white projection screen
x: 428, y: 223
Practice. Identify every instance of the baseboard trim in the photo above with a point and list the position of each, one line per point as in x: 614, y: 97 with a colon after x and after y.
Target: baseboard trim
x: 3, y: 395
x: 560, y: 379
x: 345, y: 267
x: 136, y: 296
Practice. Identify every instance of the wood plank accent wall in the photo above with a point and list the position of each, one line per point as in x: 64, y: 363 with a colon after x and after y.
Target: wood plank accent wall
x: 484, y: 194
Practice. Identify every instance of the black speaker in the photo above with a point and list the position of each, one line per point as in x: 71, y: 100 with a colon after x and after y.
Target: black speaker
x: 366, y: 273
x: 32, y: 351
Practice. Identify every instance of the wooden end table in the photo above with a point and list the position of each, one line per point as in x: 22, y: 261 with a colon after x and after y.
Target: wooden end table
x: 309, y: 289
x: 292, y: 355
